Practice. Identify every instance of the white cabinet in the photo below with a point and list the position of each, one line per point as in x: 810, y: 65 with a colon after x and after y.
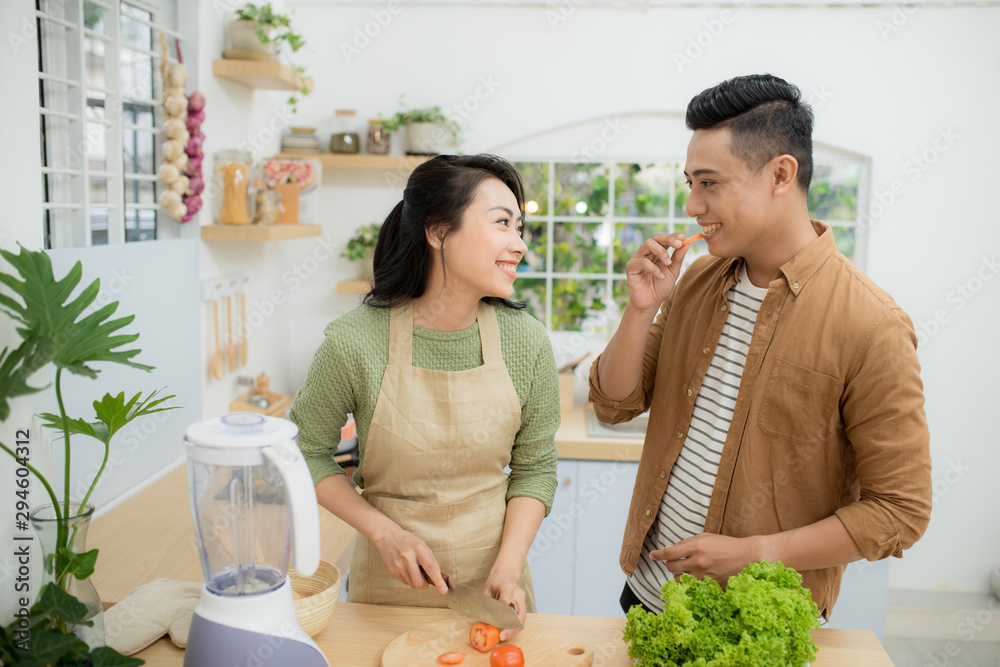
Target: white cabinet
x: 574, y: 558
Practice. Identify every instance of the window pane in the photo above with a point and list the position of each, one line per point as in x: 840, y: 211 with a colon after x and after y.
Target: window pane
x: 833, y: 194
x: 136, y: 74
x: 629, y: 236
x: 844, y: 237
x: 619, y: 292
x: 535, y: 176
x: 580, y: 247
x: 581, y: 189
x: 93, y: 17
x: 140, y: 225
x: 531, y: 291
x: 133, y: 32
x: 98, y: 226
x: 535, y: 237
x: 94, y: 62
x: 98, y: 190
x: 571, y: 301
x: 643, y: 190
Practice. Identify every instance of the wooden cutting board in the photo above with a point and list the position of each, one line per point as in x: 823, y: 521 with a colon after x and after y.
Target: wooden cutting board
x: 421, y: 647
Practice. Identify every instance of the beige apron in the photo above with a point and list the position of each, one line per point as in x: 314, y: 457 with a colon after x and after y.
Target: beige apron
x: 434, y: 463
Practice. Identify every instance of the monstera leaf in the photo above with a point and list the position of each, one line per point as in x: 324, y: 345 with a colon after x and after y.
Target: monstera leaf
x: 54, y: 327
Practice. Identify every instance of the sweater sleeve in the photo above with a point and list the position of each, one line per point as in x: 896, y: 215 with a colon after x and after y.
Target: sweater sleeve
x: 534, y: 457
x: 320, y: 410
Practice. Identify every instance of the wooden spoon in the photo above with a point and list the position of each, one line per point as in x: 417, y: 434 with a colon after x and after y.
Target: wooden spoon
x: 243, y: 329
x: 231, y: 348
x: 215, y: 363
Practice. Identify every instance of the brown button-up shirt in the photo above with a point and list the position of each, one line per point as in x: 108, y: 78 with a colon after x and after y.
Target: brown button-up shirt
x: 829, y: 419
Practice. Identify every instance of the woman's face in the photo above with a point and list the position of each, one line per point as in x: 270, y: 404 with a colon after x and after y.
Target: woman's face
x: 481, y: 256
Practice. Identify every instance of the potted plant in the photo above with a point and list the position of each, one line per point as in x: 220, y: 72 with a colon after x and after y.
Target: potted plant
x: 65, y: 623
x: 260, y: 29
x: 427, y: 129
x: 362, y: 246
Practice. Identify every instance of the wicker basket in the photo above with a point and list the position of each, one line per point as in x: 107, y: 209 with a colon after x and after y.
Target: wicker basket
x: 317, y: 596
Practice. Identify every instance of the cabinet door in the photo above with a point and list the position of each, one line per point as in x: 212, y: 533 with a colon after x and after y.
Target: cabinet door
x: 604, y: 492
x: 551, y: 553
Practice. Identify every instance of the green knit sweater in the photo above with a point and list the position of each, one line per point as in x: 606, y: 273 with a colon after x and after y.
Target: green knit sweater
x: 346, y: 374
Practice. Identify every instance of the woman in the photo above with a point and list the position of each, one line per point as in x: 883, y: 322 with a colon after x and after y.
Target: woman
x: 449, y: 383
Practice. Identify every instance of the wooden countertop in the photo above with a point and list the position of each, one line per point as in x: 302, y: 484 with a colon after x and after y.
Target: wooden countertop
x: 151, y: 536
x: 573, y: 442
x: 359, y: 633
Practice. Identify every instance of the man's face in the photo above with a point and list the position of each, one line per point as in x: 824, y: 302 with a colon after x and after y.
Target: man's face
x: 731, y: 204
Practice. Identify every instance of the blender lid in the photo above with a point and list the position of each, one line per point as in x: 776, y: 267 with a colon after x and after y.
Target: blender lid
x: 240, y: 430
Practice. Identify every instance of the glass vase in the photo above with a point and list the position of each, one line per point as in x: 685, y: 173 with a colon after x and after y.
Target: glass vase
x: 72, y: 529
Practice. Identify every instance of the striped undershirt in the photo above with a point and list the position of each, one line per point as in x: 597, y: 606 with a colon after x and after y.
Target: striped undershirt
x: 684, y: 505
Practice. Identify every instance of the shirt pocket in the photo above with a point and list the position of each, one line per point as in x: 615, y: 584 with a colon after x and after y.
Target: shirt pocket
x: 799, y: 404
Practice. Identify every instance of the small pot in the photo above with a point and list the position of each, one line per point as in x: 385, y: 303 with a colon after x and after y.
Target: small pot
x: 425, y: 138
x: 243, y: 35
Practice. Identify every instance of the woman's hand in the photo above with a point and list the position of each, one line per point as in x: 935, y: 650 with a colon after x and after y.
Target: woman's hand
x: 504, y: 587
x: 651, y: 273
x: 409, y: 559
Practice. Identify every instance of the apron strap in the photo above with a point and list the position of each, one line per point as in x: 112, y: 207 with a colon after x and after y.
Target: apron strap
x: 489, y: 334
x: 401, y: 335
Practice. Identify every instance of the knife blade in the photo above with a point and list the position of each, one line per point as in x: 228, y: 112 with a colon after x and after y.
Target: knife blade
x: 478, y: 606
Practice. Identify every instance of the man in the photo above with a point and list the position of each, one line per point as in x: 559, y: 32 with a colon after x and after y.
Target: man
x: 785, y: 404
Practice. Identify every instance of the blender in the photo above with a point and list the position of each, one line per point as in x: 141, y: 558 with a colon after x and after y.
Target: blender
x: 252, y: 497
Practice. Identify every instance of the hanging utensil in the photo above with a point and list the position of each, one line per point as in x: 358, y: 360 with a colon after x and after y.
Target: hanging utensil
x: 215, y: 363
x: 243, y: 329
x: 231, y: 347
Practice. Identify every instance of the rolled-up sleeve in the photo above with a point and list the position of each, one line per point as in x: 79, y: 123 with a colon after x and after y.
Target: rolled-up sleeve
x: 884, y: 421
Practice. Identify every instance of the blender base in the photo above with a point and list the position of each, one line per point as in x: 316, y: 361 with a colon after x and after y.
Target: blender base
x: 250, y: 631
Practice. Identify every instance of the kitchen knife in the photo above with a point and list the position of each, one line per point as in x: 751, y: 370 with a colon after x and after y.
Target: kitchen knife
x: 478, y: 606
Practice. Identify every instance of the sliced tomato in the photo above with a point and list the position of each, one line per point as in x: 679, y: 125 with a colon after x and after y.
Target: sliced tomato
x: 507, y: 655
x: 483, y: 637
x: 452, y: 658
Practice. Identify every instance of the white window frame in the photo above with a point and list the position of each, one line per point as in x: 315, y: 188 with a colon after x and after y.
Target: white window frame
x: 61, y: 37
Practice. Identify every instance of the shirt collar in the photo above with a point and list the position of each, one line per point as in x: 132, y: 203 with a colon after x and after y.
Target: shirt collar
x: 800, y: 268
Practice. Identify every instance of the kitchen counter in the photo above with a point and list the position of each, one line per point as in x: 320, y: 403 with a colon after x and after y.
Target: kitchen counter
x: 573, y: 442
x: 152, y: 536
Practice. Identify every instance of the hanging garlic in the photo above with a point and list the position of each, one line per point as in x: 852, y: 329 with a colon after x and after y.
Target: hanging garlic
x: 180, y: 185
x: 172, y: 150
x: 175, y: 106
x: 168, y: 173
x: 169, y: 199
x: 174, y: 128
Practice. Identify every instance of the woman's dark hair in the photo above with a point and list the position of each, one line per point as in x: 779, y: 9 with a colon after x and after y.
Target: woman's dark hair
x: 767, y: 118
x: 436, y: 195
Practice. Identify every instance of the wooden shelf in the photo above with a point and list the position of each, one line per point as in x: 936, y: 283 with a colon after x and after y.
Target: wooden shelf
x: 257, y: 232
x: 353, y: 287
x: 263, y: 74
x: 339, y: 161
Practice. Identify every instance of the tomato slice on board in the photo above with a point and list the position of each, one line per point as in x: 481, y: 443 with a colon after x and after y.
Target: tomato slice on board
x: 452, y: 658
x: 507, y: 655
x: 483, y: 637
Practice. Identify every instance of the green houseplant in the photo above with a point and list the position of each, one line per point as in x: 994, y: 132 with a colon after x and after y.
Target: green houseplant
x: 55, y: 328
x: 362, y: 246
x: 260, y: 28
x: 426, y: 128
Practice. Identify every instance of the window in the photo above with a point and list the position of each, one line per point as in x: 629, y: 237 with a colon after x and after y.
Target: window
x: 98, y: 92
x: 585, y: 220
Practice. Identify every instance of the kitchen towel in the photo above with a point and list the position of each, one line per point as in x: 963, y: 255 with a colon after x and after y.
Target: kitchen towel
x: 159, y: 607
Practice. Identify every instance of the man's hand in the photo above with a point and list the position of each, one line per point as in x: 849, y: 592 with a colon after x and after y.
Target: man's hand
x: 651, y: 272
x: 709, y: 555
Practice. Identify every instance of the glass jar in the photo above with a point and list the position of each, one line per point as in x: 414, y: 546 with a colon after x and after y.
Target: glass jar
x: 344, y: 138
x: 378, y: 138
x: 232, y: 176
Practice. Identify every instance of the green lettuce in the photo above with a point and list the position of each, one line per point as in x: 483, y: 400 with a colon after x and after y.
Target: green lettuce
x: 764, y: 618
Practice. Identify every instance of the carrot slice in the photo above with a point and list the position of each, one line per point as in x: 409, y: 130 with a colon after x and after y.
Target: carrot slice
x: 692, y: 239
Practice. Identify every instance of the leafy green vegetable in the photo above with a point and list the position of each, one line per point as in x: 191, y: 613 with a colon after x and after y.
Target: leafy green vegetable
x: 763, y: 619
